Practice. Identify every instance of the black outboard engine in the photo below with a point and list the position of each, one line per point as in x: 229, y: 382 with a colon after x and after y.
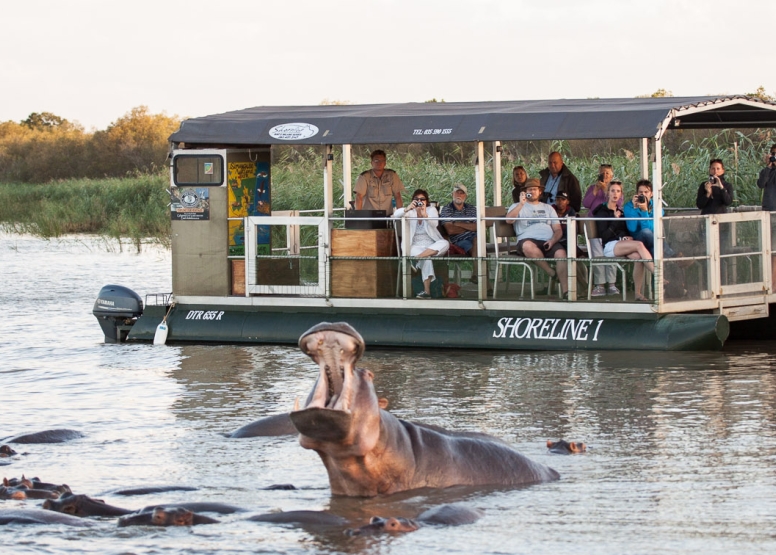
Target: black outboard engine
x: 116, y: 309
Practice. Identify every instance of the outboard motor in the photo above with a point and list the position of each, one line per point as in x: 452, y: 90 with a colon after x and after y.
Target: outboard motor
x: 116, y: 309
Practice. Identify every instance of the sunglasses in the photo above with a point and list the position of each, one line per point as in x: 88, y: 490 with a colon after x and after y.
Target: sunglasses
x: 424, y: 199
x: 615, y: 182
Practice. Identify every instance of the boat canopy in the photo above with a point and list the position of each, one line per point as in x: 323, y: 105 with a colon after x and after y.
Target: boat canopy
x: 443, y: 122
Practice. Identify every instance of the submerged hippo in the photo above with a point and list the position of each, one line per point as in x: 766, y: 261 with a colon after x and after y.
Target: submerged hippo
x: 82, y: 506
x: 39, y: 516
x: 448, y: 515
x: 563, y: 447
x: 367, y: 451
x: 166, y: 516
x: 48, y: 436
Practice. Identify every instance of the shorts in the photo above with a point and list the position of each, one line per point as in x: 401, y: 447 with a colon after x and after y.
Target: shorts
x: 539, y: 243
x: 609, y: 248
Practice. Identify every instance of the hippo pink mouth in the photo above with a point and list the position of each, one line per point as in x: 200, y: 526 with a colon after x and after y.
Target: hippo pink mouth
x: 336, y: 348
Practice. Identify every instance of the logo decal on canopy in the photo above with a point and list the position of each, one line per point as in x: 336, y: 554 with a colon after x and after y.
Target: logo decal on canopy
x: 293, y: 131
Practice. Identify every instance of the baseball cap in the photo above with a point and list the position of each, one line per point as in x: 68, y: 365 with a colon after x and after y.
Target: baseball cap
x: 460, y: 187
x: 562, y: 194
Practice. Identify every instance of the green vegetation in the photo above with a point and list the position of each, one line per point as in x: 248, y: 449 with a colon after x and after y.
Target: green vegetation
x: 131, y: 207
x: 55, y: 178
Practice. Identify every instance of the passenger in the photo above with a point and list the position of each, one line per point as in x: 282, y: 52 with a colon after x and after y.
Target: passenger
x: 462, y: 234
x: 556, y: 178
x: 425, y: 239
x: 538, y: 234
x: 617, y: 242
x: 715, y: 194
x: 640, y: 206
x: 376, y: 187
x: 564, y: 210
x: 596, y: 195
x: 767, y: 181
x: 519, y: 177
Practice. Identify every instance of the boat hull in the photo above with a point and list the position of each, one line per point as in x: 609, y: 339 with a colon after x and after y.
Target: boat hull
x: 482, y: 329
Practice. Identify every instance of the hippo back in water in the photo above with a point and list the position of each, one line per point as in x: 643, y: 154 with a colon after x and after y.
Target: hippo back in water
x: 367, y: 451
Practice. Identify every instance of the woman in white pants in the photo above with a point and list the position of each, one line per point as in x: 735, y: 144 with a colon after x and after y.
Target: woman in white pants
x: 425, y: 239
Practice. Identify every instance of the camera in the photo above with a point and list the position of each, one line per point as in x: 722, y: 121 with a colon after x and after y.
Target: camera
x: 601, y: 177
x: 772, y: 159
x: 642, y: 199
x: 528, y: 196
x: 712, y: 179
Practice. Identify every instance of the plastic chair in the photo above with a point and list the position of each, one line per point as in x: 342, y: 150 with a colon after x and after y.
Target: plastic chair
x: 591, y: 232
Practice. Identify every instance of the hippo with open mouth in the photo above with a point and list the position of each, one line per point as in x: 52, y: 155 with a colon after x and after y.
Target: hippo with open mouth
x: 367, y: 451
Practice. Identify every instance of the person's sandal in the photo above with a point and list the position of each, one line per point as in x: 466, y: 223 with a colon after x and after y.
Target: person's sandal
x: 642, y: 299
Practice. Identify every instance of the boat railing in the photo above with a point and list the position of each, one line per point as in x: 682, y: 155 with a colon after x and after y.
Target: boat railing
x: 708, y: 262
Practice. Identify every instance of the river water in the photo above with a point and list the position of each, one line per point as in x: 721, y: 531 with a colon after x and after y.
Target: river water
x: 681, y: 453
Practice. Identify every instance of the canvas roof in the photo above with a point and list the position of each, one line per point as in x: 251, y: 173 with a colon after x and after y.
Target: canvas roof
x: 519, y: 120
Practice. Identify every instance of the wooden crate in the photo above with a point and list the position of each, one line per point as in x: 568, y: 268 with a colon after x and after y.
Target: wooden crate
x: 363, y: 242
x: 363, y: 278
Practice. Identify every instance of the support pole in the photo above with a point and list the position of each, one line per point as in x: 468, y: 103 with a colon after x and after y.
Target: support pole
x: 481, y: 264
x: 347, y: 168
x: 496, y: 173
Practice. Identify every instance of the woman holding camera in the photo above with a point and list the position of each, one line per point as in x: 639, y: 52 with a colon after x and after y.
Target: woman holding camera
x: 715, y: 194
x: 614, y: 235
x: 425, y: 239
x: 767, y: 181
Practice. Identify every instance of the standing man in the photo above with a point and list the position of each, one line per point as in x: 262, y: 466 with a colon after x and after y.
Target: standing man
x: 539, y: 232
x: 376, y: 187
x: 556, y: 178
x: 767, y: 181
x: 462, y: 234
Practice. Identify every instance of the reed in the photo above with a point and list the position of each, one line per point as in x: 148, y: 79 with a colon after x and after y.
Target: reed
x: 136, y: 207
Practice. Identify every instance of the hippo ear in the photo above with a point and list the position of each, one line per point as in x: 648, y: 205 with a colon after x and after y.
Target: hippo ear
x: 577, y: 447
x: 370, y: 374
x: 376, y: 520
x: 550, y: 444
x: 382, y: 402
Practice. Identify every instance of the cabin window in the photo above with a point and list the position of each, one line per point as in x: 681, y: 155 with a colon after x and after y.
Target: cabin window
x: 198, y: 170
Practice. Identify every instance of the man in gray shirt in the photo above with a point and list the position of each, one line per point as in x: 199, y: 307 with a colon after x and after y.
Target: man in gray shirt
x: 539, y: 232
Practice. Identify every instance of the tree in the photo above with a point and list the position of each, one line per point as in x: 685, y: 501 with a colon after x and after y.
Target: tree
x: 762, y: 95
x: 660, y: 93
x: 44, y: 121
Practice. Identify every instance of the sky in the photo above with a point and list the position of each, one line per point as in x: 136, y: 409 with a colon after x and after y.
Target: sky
x: 92, y: 61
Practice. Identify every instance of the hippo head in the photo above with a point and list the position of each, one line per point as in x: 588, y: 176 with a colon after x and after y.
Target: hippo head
x: 173, y: 516
x: 342, y: 407
x: 564, y: 447
x: 378, y: 525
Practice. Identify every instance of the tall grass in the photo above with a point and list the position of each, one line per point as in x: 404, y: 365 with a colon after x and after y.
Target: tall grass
x: 137, y: 207
x: 131, y: 207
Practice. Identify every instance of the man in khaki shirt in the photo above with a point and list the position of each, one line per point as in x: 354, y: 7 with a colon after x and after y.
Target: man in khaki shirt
x: 375, y: 187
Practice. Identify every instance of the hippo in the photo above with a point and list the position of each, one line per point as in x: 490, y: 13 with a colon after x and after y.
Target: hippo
x: 82, y: 506
x: 199, y: 507
x: 562, y: 447
x: 23, y: 492
x: 269, y: 426
x: 39, y: 516
x: 367, y: 451
x: 145, y: 490
x: 166, y: 516
x: 275, y: 425
x: 449, y: 515
x: 315, y: 518
x: 6, y: 451
x: 48, y: 436
x: 35, y: 483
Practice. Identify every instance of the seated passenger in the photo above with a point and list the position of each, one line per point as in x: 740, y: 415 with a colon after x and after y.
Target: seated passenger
x: 519, y: 177
x: 462, y: 234
x: 538, y: 234
x: 594, y: 197
x: 425, y: 239
x: 616, y: 241
x: 640, y: 206
x: 564, y: 210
